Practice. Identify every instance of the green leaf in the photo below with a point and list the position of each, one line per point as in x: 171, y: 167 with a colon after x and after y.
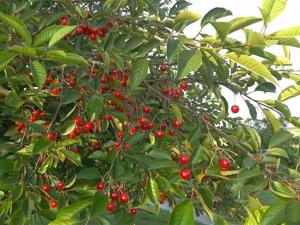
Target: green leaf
x: 46, y: 34
x: 288, y: 33
x: 214, y: 14
x: 251, y: 64
x: 89, y: 174
x: 254, y: 38
x: 277, y: 152
x: 60, y: 34
x: 5, y: 58
x: 38, y: 73
x: 241, y: 22
x: 160, y: 164
x: 153, y: 192
x: 133, y: 42
x: 279, y: 138
x: 252, y: 110
x: 18, y: 218
x: 18, y: 25
x: 6, y: 165
x: 187, y: 16
x: 100, y: 202
x: 94, y: 107
x: 183, y: 214
x: 69, y: 211
x: 172, y: 46
x: 273, y: 215
x: 41, y: 145
x: 139, y: 71
x: 292, y: 215
x: 188, y: 61
x: 218, y: 220
x: 23, y: 50
x: 289, y: 92
x: 71, y: 96
x: 63, y: 221
x: 68, y: 58
x: 245, y: 174
x: 98, y: 155
x: 271, y: 9
x: 73, y: 157
x: 13, y: 100
x: 275, y: 123
x: 222, y: 28
x: 282, y: 190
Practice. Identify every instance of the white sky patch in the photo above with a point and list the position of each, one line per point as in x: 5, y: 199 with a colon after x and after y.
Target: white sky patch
x: 290, y: 17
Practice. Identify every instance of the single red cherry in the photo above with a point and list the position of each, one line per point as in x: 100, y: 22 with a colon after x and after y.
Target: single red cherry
x: 53, y: 204
x: 159, y: 133
x: 79, y: 30
x: 102, y: 32
x: 177, y: 123
x: 184, y: 85
x: 111, y: 207
x: 45, y: 188
x: 32, y: 119
x: 93, y: 37
x: 143, y: 121
x: 118, y: 94
x: 224, y: 164
x: 124, y: 198
x: 114, y: 196
x: 55, y: 91
x: 150, y: 125
x: 60, y: 186
x: 184, y: 159
x: 35, y: 113
x: 88, y: 127
x: 206, y: 117
x: 51, y: 136
x: 77, y: 121
x: 120, y: 134
x: 133, y: 211
x: 100, y: 186
x: 124, y: 83
x: 102, y: 79
x: 171, y: 132
x: 185, y: 174
x: 235, y: 109
x: 49, y: 80
x: 163, y: 67
x: 147, y: 109
x: 43, y: 114
x: 64, y: 21
x: 114, y: 72
x: 162, y: 197
x: 118, y: 144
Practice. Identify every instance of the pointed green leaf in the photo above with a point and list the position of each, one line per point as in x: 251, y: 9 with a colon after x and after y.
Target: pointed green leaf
x: 38, y: 73
x: 214, y: 14
x: 139, y: 71
x: 153, y: 191
x: 60, y: 34
x: 23, y: 50
x: 289, y: 92
x: 241, y: 22
x: 18, y: 218
x: 188, y: 61
x: 70, y: 210
x: 67, y: 58
x: 5, y: 58
x: 183, y: 214
x: 277, y: 152
x: 273, y: 215
x: 46, y: 34
x: 100, y: 202
x: 63, y: 221
x: 272, y: 8
x: 18, y: 25
x: 292, y: 215
x: 252, y: 65
x: 289, y: 32
x: 275, y: 123
x: 279, y: 138
x: 41, y: 145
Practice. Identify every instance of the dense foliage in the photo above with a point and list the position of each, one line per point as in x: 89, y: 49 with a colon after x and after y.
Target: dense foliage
x: 108, y: 108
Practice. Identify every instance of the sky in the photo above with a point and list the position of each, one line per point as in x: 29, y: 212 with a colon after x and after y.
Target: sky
x: 290, y: 17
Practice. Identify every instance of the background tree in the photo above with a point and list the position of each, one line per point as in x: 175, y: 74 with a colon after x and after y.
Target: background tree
x: 107, y: 106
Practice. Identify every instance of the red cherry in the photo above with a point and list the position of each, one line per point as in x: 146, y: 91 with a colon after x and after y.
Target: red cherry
x: 49, y: 80
x: 50, y: 136
x: 55, y: 91
x: 206, y: 117
x: 64, y: 21
x: 171, y: 132
x: 111, y: 207
x: 184, y: 85
x: 53, y: 204
x: 184, y: 159
x: 118, y: 144
x: 75, y: 150
x: 235, y: 109
x: 124, y: 198
x: 177, y: 123
x: 43, y: 114
x: 133, y: 130
x: 150, y: 125
x: 100, y: 186
x: 224, y: 164
x: 79, y: 30
x: 93, y: 37
x: 114, y: 196
x: 143, y: 121
x: 107, y: 117
x: 185, y: 174
x: 166, y: 91
x: 102, y: 79
x: 163, y: 67
x: 159, y: 133
x: 162, y: 197
x: 60, y: 186
x: 124, y: 83
x: 45, y: 188
x: 88, y: 127
x: 102, y: 32
x: 77, y: 121
x: 120, y: 134
x: 124, y: 75
x: 32, y: 119
x: 118, y: 94
x: 114, y: 72
x: 35, y: 113
x: 147, y: 109
x: 133, y: 211
x: 163, y: 126
x: 93, y: 30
